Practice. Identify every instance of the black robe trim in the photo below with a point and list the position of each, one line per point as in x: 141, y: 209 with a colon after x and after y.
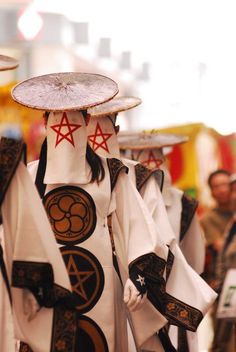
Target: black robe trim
x: 115, y: 166
x: 189, y: 207
x: 11, y: 152
x: 143, y: 174
x: 176, y: 312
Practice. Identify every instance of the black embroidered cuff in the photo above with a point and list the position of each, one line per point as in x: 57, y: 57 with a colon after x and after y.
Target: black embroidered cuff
x: 151, y: 266
x: 182, y: 314
x: 138, y: 279
x: 178, y: 313
x: 38, y: 278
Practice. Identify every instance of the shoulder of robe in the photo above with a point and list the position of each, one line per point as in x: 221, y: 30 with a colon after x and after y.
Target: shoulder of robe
x: 189, y: 207
x: 11, y: 152
x: 115, y: 166
x: 143, y: 174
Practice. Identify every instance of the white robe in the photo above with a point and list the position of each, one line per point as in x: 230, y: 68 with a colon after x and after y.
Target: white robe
x: 66, y: 162
x: 152, y: 198
x: 196, y: 292
x: 192, y: 245
x: 103, y: 140
x: 29, y: 243
x: 109, y: 311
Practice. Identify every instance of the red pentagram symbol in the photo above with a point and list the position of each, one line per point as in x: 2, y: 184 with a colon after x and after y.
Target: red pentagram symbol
x: 71, y: 127
x: 95, y: 137
x: 152, y: 160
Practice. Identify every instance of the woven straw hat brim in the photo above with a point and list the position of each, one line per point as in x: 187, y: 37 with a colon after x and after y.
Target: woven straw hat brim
x: 8, y: 63
x: 149, y: 141
x: 113, y: 106
x: 64, y: 91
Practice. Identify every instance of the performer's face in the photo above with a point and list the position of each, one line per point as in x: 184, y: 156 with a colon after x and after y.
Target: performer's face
x: 220, y: 188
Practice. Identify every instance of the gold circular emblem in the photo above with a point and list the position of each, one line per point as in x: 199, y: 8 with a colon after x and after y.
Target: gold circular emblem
x: 86, y: 276
x: 72, y: 214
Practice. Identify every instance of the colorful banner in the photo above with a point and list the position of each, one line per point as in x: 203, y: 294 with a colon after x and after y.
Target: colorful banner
x: 182, y: 161
x: 227, y: 149
x: 17, y: 121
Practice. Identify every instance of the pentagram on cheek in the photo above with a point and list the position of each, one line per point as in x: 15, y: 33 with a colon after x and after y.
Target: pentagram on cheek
x: 71, y: 127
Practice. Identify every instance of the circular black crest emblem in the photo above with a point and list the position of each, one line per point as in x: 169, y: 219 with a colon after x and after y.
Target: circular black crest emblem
x: 86, y: 276
x: 90, y: 336
x: 72, y: 214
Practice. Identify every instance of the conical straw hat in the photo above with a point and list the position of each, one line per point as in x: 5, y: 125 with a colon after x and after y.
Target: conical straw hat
x: 137, y: 141
x: 65, y: 91
x: 113, y: 106
x: 7, y: 63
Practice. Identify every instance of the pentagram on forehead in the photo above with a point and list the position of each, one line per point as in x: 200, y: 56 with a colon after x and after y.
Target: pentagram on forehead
x: 152, y: 160
x: 64, y: 130
x: 99, y: 135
